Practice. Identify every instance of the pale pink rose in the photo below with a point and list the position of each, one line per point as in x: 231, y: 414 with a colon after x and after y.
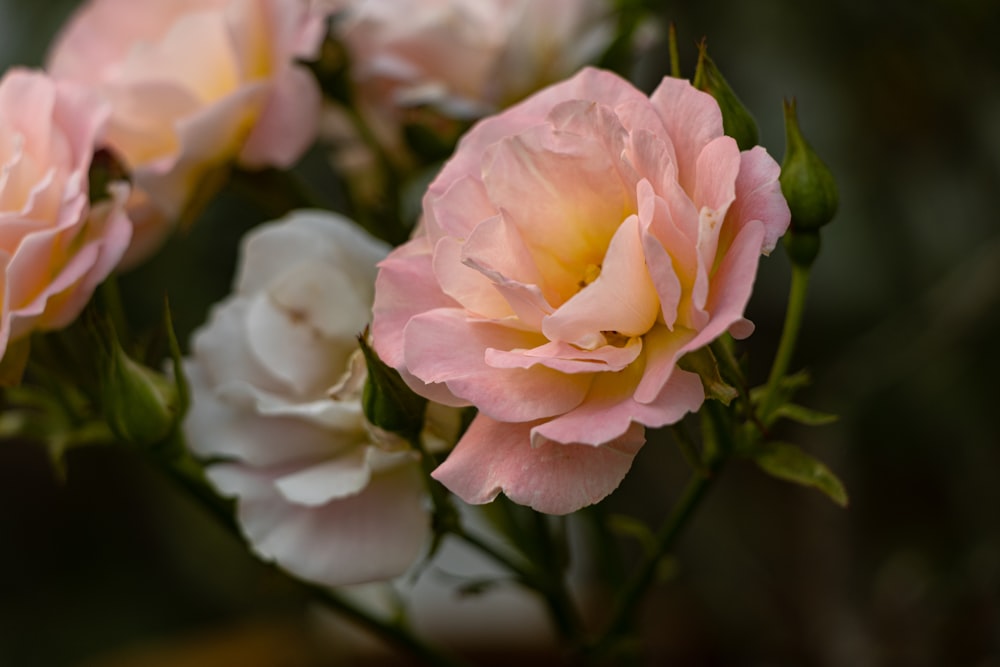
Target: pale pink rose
x: 571, y: 251
x: 55, y: 247
x: 276, y: 378
x: 194, y: 85
x: 466, y: 58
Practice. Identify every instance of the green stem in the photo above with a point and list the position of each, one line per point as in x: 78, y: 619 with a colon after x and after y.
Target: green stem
x: 555, y: 557
x: 688, y: 449
x: 789, y: 336
x: 626, y: 608
x: 393, y: 634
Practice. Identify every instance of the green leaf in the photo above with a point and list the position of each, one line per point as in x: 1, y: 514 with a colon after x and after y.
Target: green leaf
x: 803, y: 415
x: 788, y: 462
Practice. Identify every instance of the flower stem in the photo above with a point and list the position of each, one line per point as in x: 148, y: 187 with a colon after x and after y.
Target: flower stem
x: 625, y: 610
x: 789, y: 336
x: 549, y: 585
x: 393, y: 634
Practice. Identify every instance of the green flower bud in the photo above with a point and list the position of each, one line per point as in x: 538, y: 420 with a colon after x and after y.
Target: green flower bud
x: 141, y: 406
x: 806, y: 181
x: 802, y: 246
x: 737, y: 122
x: 387, y: 401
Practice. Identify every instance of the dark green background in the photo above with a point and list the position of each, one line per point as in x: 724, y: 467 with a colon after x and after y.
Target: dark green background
x: 903, y: 101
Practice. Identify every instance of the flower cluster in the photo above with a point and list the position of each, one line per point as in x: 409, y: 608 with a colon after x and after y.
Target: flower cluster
x: 573, y: 258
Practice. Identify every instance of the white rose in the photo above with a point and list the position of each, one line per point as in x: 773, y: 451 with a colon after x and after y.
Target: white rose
x: 276, y: 382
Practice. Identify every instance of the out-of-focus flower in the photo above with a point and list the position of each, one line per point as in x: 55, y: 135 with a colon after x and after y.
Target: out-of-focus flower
x: 465, y: 58
x: 55, y: 247
x: 193, y: 86
x: 571, y: 251
x: 276, y: 379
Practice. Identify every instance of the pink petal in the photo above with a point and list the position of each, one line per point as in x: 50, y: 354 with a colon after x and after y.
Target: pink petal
x: 610, y: 409
x: 404, y: 288
x: 568, y: 358
x: 469, y: 287
x: 758, y: 197
x: 457, y: 210
x: 663, y: 349
x: 623, y: 298
x: 692, y: 119
x: 566, y: 192
x: 442, y: 346
x: 494, y: 457
x: 288, y: 124
x: 605, y: 88
x: 658, y: 260
x: 732, y: 285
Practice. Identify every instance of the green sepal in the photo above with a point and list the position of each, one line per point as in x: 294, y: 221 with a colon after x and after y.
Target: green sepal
x: 140, y: 405
x: 790, y: 463
x: 387, y: 401
x: 806, y: 181
x: 703, y: 362
x: 737, y: 121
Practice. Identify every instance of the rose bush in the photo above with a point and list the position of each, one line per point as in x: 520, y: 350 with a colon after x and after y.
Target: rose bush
x: 466, y: 58
x: 194, y: 85
x: 55, y: 247
x: 276, y: 380
x: 571, y: 251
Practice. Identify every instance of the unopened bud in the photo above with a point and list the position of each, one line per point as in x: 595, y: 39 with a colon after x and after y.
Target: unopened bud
x: 806, y: 181
x: 387, y: 401
x: 141, y: 406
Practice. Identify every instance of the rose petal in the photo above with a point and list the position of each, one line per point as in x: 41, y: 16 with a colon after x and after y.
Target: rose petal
x: 692, y: 119
x: 442, y: 346
x: 553, y: 478
x: 568, y: 358
x: 623, y: 298
x: 405, y: 287
x: 610, y: 409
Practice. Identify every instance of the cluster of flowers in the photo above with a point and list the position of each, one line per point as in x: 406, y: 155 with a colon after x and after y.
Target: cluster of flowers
x: 580, y: 240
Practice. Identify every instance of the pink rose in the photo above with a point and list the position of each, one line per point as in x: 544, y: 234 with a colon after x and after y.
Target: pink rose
x: 276, y: 378
x: 194, y: 85
x: 55, y: 247
x: 571, y: 251
x: 467, y: 58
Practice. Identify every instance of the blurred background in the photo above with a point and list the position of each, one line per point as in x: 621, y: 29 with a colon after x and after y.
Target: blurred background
x: 113, y: 567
